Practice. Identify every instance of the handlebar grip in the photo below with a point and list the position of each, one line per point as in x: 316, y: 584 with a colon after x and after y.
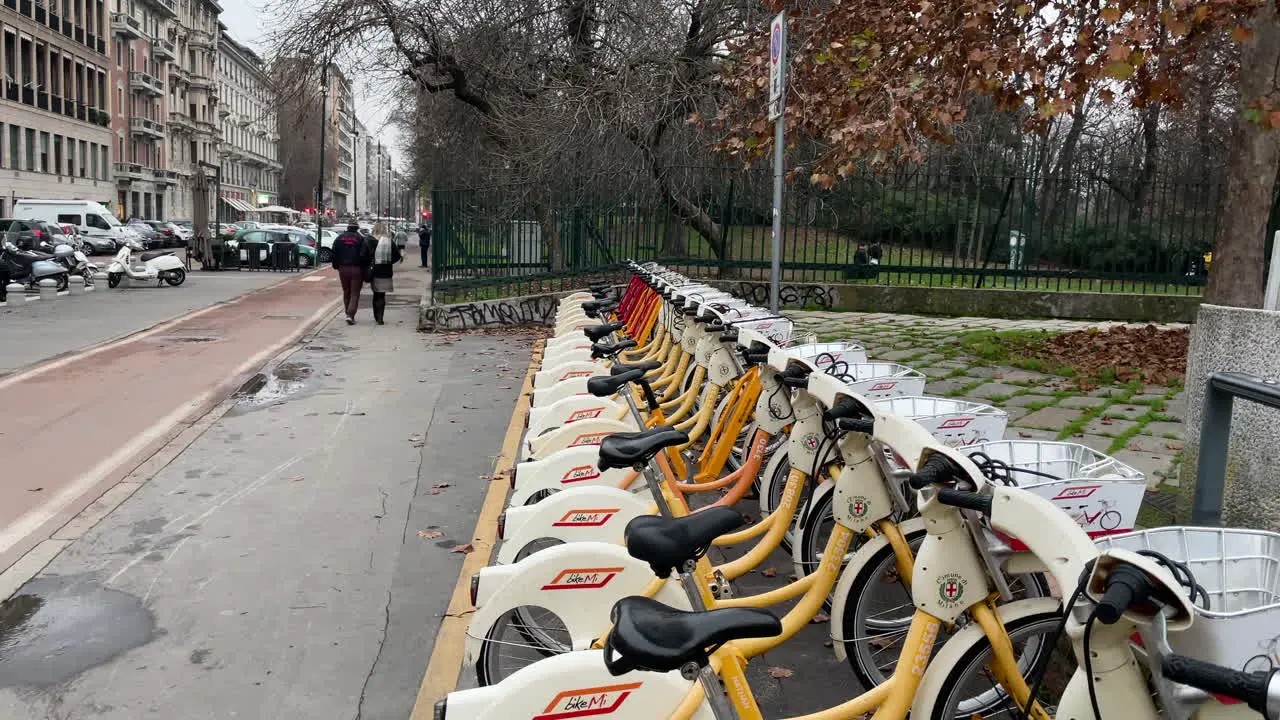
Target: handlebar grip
x: 937, y: 469
x: 967, y: 500
x: 715, y: 327
x: 1126, y: 586
x: 755, y: 358
x: 729, y: 337
x: 844, y: 408
x: 860, y: 425
x: 691, y: 311
x: 1247, y: 687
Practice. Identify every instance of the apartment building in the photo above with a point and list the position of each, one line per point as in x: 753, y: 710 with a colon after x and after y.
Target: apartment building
x: 250, y: 136
x: 164, y: 103
x: 54, y: 104
x: 344, y: 112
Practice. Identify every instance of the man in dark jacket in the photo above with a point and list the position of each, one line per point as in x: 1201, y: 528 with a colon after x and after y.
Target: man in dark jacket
x: 424, y: 242
x: 351, y: 257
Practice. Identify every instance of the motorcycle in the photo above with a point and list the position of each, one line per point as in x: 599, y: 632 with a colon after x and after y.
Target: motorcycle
x: 75, y: 261
x: 29, y: 267
x: 158, y: 265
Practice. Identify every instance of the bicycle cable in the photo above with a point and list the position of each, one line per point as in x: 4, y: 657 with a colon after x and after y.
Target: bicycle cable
x: 997, y: 470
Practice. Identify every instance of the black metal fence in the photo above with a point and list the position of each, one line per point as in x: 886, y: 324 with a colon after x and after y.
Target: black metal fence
x: 962, y: 219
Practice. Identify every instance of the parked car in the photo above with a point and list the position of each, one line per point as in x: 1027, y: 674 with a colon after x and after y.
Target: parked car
x: 305, y: 241
x: 27, y: 234
x: 150, y: 238
x: 181, y: 232
x: 101, y: 229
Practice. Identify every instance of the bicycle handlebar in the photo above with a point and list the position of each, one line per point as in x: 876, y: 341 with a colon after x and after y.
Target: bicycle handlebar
x: 1260, y: 690
x: 936, y: 470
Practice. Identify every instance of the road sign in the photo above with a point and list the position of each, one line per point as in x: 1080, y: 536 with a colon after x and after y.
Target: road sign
x: 777, y: 66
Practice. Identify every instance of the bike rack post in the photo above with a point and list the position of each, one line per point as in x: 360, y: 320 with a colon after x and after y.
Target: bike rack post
x: 1221, y: 390
x: 75, y: 285
x: 48, y: 289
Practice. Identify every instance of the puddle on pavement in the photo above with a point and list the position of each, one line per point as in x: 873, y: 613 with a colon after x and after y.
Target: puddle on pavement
x: 282, y: 382
x: 56, y: 628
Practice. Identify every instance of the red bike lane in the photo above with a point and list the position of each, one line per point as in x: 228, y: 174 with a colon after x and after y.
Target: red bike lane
x: 78, y: 425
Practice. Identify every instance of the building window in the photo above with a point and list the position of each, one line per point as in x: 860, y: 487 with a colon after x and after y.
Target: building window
x: 83, y: 152
x: 44, y: 152
x: 31, y: 149
x: 105, y: 162
x: 57, y: 154
x: 93, y: 160
x: 15, y: 157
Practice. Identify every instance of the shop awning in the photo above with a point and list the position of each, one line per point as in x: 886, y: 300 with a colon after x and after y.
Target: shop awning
x: 277, y: 209
x: 238, y: 204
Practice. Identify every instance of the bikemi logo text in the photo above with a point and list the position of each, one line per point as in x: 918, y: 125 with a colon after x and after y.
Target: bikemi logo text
x: 587, y: 414
x: 580, y: 473
x: 594, y: 517
x: 582, y: 578
x: 587, y: 702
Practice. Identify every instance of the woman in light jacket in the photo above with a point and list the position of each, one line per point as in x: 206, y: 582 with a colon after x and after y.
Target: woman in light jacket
x: 386, y: 254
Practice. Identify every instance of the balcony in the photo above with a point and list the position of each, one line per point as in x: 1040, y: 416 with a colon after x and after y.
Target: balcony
x: 11, y: 92
x: 166, y: 8
x: 205, y: 126
x: 200, y: 82
x: 146, y: 128
x: 180, y: 121
x: 129, y: 171
x: 163, y: 177
x: 200, y: 39
x: 144, y: 82
x: 124, y: 24
x: 163, y: 49
x: 179, y: 73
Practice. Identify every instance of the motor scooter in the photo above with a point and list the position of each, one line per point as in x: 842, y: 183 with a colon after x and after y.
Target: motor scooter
x: 158, y: 265
x: 75, y: 261
x: 29, y: 267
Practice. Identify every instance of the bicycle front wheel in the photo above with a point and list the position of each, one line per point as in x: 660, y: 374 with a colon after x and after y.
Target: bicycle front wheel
x: 969, y: 689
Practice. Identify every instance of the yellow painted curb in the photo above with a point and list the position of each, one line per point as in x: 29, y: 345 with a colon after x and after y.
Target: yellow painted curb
x: 441, y: 676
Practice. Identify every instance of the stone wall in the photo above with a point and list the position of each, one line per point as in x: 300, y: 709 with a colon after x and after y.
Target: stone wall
x: 1241, y: 340
x: 969, y: 302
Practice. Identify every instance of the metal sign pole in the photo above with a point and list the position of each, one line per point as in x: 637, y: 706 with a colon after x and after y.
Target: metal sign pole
x: 777, y: 104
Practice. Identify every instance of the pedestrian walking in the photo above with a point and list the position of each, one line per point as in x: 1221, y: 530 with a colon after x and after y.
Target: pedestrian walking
x: 385, y: 255
x: 352, y: 258
x: 424, y: 242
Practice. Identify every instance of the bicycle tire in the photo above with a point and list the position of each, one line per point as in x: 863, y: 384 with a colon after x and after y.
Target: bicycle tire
x: 1110, y: 520
x: 972, y: 660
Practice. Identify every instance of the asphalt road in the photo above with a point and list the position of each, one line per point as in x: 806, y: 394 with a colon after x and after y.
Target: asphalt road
x: 31, y: 332
x: 275, y: 568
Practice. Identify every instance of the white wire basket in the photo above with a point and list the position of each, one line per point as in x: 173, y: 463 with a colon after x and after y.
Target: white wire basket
x: 1240, y: 572
x: 825, y: 354
x: 1098, y: 491
x: 955, y: 423
x: 877, y: 380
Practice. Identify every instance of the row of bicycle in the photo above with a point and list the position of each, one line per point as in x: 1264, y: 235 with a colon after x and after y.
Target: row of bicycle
x: 956, y: 572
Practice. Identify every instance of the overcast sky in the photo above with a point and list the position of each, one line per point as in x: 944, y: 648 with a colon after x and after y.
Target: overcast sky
x: 244, y: 22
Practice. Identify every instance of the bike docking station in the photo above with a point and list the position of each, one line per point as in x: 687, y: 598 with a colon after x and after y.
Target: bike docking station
x: 671, y: 388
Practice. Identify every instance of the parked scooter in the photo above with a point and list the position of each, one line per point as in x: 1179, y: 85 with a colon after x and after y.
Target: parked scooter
x: 158, y: 265
x: 75, y: 261
x: 29, y: 267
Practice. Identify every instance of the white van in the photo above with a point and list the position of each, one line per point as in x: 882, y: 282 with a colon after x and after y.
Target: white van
x: 98, y: 227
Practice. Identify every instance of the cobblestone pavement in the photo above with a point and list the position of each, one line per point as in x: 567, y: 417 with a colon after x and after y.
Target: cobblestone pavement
x: 1141, y: 425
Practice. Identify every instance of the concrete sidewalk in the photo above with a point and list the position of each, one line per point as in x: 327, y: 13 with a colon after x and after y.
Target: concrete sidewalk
x: 286, y: 565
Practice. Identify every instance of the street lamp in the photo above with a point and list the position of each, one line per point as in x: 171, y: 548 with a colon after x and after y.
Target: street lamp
x: 324, y: 123
x: 355, y: 175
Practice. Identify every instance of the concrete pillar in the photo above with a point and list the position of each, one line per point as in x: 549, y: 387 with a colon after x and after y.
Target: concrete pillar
x: 48, y: 289
x: 75, y: 285
x: 16, y: 292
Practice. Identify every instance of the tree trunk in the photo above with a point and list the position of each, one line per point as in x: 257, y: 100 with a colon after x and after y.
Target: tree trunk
x: 1236, y: 274
x: 550, y: 236
x: 1150, y: 156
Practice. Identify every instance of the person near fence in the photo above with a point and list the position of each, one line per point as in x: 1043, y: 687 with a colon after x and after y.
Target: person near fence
x: 424, y: 242
x: 385, y: 255
x: 352, y: 257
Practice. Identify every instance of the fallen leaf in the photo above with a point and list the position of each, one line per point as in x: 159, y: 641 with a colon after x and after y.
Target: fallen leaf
x: 881, y: 641
x: 297, y: 478
x: 780, y: 672
x: 1174, y: 445
x: 820, y: 618
x: 34, y: 489
x: 1107, y: 421
x: 504, y: 387
x: 441, y: 485
x: 435, y: 492
x: 769, y: 572
x: 463, y: 549
x: 1024, y: 434
x: 429, y: 534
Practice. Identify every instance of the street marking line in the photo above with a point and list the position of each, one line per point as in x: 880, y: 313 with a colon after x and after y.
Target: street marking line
x: 35, y: 518
x: 163, y: 325
x: 441, y: 675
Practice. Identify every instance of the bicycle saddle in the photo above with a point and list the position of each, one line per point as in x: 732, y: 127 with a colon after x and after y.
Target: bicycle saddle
x: 609, y: 385
x: 648, y: 635
x: 596, y: 332
x: 599, y: 350
x: 667, y: 543
x: 624, y: 450
x: 618, y: 368
x: 594, y: 307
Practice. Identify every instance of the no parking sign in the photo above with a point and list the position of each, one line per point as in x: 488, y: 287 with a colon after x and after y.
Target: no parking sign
x: 777, y: 65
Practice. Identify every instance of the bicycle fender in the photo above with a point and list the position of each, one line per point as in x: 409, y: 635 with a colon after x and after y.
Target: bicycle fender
x: 844, y: 586
x: 931, y: 686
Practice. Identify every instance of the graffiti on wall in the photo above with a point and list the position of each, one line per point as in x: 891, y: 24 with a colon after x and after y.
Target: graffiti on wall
x: 508, y: 312
x: 793, y: 296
